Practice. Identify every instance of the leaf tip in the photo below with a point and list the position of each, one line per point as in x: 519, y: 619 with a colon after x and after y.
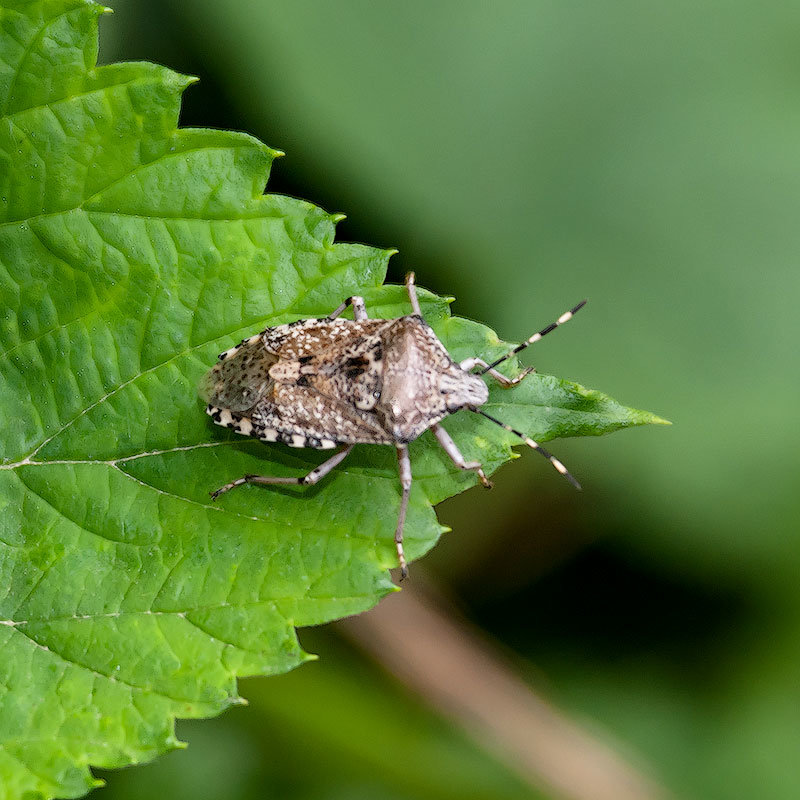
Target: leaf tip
x: 385, y: 586
x: 173, y: 743
x: 338, y: 217
x: 648, y: 418
x: 179, y: 81
x: 392, y: 251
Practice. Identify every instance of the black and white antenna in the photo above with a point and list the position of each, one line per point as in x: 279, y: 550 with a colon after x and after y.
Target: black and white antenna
x: 565, y: 317
x: 535, y: 445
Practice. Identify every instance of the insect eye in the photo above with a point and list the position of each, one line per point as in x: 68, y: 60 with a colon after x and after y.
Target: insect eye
x: 376, y: 395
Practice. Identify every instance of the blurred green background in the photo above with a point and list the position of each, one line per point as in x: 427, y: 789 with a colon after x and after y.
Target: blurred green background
x: 523, y: 155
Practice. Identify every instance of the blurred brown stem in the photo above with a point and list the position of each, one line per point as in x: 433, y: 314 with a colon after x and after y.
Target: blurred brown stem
x: 457, y: 671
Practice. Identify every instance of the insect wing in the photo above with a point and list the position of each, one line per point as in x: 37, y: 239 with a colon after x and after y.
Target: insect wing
x: 304, y: 417
x: 319, y: 337
x: 241, y: 377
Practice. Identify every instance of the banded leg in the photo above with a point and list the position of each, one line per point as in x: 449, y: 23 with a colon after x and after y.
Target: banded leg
x: 310, y: 479
x: 534, y: 445
x: 359, y: 309
x: 404, y: 467
x: 565, y: 317
x: 470, y: 363
x: 411, y: 288
x: 449, y: 446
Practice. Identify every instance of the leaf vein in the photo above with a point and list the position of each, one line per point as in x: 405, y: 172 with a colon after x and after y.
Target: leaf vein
x: 72, y: 663
x: 262, y: 322
x: 28, y: 50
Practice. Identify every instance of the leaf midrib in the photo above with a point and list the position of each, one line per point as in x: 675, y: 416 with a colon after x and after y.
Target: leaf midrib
x: 218, y: 508
x: 12, y: 623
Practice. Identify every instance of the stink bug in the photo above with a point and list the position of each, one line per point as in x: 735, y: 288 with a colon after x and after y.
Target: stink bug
x: 327, y: 382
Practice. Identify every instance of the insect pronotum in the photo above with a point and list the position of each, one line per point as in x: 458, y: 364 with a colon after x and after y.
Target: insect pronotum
x: 331, y: 382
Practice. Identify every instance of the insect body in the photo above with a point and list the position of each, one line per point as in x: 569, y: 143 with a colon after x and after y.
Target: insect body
x: 331, y: 382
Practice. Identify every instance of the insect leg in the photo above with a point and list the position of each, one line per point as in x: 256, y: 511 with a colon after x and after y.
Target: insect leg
x: 411, y: 288
x: 359, y: 309
x: 470, y: 363
x: 404, y: 466
x: 565, y: 317
x: 307, y: 480
x: 452, y: 450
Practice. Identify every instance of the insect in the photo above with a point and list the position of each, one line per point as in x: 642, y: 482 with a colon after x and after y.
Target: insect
x: 331, y: 382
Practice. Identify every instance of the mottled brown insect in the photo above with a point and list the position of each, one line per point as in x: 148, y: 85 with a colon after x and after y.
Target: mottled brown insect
x: 327, y: 382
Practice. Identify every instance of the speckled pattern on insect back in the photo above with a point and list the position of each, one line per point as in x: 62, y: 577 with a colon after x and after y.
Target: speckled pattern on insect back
x: 326, y: 382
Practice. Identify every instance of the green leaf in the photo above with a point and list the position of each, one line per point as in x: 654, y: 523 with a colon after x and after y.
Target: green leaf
x: 131, y: 253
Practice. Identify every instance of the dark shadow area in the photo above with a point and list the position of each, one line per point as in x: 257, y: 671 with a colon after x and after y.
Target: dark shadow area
x: 601, y: 607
